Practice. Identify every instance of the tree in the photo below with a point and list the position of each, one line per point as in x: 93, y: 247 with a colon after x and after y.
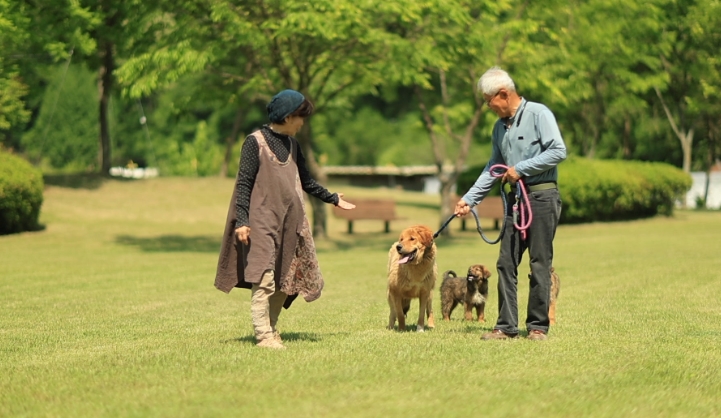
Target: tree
x: 594, y: 63
x: 328, y: 50
x: 691, y: 66
x: 13, y: 34
x: 65, y: 132
x: 99, y: 33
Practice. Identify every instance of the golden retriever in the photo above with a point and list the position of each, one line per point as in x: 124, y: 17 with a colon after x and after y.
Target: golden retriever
x: 412, y: 274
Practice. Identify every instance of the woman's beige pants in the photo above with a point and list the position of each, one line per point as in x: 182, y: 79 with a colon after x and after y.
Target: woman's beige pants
x: 265, y: 305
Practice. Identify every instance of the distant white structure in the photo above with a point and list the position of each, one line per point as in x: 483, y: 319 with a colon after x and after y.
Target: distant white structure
x: 134, y: 172
x: 697, y: 190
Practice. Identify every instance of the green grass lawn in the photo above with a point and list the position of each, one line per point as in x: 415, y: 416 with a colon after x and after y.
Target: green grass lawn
x: 111, y: 311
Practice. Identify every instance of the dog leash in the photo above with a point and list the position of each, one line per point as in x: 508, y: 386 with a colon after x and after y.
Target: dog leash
x: 522, y: 215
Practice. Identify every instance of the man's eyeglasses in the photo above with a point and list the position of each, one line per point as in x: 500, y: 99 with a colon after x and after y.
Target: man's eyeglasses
x: 488, y: 102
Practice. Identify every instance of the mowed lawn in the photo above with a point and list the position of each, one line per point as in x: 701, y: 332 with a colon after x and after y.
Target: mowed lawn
x: 111, y: 311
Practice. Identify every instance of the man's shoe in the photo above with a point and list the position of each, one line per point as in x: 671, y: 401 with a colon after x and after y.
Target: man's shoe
x: 537, y: 335
x: 497, y: 334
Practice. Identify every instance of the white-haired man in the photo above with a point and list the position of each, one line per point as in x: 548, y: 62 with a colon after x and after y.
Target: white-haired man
x: 525, y: 138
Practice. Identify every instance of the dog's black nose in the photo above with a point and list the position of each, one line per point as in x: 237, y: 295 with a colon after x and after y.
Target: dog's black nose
x: 399, y: 247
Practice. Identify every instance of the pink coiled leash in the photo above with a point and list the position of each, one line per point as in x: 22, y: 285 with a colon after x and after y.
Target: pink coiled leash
x: 522, y: 214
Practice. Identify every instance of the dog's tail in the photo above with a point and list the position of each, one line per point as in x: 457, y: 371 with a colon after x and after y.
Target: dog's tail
x: 449, y: 274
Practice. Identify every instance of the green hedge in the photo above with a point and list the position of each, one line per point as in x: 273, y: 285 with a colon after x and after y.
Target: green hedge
x: 21, y: 194
x: 608, y: 190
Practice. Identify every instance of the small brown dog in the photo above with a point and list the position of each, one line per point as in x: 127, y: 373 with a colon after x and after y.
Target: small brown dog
x: 471, y: 290
x: 555, y: 289
x: 412, y: 274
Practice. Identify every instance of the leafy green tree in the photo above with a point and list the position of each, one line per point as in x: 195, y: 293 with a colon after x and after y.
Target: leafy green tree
x: 328, y: 50
x: 692, y: 69
x: 65, y: 132
x: 13, y: 34
x: 99, y: 33
x: 594, y: 64
x: 444, y: 47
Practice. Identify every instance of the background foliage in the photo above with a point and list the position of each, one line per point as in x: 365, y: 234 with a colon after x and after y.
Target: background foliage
x: 596, y: 64
x: 178, y: 84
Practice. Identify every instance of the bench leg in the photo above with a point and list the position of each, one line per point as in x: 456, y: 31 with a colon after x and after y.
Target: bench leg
x: 350, y: 227
x: 388, y: 227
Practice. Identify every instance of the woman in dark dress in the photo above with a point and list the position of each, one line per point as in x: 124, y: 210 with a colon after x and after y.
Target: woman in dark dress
x: 267, y: 245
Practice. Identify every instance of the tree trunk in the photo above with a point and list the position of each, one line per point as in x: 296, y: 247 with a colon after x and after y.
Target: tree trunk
x: 710, y: 158
x: 448, y: 179
x: 686, y: 143
x: 305, y: 138
x: 105, y: 85
x: 230, y: 141
x: 686, y: 138
x: 627, y: 138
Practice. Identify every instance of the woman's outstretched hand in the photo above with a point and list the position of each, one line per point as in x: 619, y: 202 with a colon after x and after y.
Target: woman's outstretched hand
x: 343, y: 204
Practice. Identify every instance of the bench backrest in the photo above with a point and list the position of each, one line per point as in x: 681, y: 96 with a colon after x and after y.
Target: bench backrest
x: 368, y: 209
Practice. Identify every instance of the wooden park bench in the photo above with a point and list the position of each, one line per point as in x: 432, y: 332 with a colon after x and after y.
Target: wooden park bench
x: 491, y: 207
x: 369, y: 209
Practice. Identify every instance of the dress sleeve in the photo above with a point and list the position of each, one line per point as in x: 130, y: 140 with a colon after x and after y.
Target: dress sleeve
x: 247, y: 171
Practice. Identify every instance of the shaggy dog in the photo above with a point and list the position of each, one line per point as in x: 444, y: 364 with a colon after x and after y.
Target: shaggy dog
x: 471, y: 290
x: 412, y: 274
x: 555, y: 289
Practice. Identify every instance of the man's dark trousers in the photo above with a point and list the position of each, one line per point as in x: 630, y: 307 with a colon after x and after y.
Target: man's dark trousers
x: 546, y: 208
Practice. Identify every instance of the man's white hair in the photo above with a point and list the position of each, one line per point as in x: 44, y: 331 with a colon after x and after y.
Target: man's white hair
x: 495, y: 79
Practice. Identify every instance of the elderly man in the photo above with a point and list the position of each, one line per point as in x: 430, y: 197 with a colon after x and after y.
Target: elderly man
x: 525, y: 138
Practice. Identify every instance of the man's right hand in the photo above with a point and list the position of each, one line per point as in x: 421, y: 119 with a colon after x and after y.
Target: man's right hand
x: 243, y: 234
x: 462, y: 208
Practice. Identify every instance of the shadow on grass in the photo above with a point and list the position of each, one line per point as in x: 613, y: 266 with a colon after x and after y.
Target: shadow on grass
x: 172, y: 243
x: 471, y: 329
x: 286, y: 336
x: 74, y: 181
x: 360, y: 241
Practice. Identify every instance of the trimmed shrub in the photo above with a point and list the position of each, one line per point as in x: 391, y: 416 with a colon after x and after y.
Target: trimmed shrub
x: 21, y: 194
x: 609, y: 190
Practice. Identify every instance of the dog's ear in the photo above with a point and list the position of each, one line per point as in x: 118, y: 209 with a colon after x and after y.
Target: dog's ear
x: 486, y: 273
x: 425, y: 235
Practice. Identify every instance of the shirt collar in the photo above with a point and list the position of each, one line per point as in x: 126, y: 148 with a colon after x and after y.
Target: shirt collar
x: 518, y: 115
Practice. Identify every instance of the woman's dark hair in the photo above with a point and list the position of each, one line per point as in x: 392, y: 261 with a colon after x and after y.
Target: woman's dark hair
x: 304, y: 110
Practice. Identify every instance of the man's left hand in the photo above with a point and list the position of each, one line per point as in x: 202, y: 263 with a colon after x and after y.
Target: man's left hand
x: 511, y: 176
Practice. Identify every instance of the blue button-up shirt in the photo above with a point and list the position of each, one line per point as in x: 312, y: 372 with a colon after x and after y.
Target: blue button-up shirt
x: 530, y: 141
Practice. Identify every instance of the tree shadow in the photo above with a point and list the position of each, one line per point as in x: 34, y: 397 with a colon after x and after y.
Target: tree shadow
x: 172, y: 243
x: 360, y: 240
x: 74, y: 181
x: 470, y: 328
